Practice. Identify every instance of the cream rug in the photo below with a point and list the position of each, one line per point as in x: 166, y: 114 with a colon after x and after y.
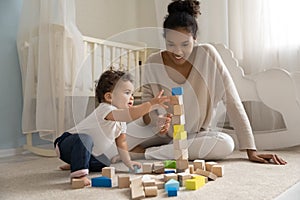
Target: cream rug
x: 32, y: 177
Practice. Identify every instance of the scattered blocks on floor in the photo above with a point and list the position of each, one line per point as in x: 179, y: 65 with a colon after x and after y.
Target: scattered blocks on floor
x: 170, y: 164
x: 158, y: 168
x: 168, y: 177
x: 147, y: 168
x: 194, y: 184
x: 207, y: 174
x: 199, y: 164
x: 101, y: 181
x: 151, y: 191
x: 218, y: 170
x: 136, y: 188
x: 148, y: 183
x: 170, y: 171
x: 209, y: 165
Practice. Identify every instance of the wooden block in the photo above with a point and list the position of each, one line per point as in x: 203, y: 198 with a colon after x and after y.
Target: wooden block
x: 136, y: 188
x: 168, y: 177
x: 193, y: 184
x: 207, y: 174
x: 147, y: 167
x: 218, y: 170
x: 208, y: 165
x: 199, y: 164
x: 196, y: 175
x: 180, y: 135
x: 170, y: 164
x: 176, y: 100
x: 171, y: 183
x: 151, y: 191
x: 182, y: 154
x: 202, y: 179
x: 160, y: 184
x: 191, y: 169
x: 177, y: 91
x: 77, y: 183
x: 158, y: 168
x: 180, y: 144
x: 177, y: 128
x: 172, y: 192
x: 178, y: 119
x: 182, y: 164
x: 123, y: 181
x: 150, y: 182
x: 108, y: 172
x: 182, y: 177
x: 178, y: 109
x: 101, y: 181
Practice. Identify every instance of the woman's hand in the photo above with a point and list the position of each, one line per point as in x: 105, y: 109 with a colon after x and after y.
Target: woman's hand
x: 265, y: 158
x: 164, y: 123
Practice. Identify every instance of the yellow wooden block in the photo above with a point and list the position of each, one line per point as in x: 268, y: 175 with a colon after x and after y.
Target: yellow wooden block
x: 180, y: 135
x: 178, y: 109
x: 193, y: 184
x: 202, y: 179
x: 177, y: 128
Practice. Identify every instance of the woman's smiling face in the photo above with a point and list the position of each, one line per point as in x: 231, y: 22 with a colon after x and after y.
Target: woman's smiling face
x: 179, y: 44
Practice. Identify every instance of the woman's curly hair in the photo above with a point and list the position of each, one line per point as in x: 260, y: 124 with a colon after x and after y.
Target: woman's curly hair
x: 108, y: 81
x: 182, y: 14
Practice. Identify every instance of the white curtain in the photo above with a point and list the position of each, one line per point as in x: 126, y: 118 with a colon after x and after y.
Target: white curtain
x: 50, y: 51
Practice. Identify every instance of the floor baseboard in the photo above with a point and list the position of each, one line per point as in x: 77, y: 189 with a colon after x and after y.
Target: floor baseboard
x: 10, y: 152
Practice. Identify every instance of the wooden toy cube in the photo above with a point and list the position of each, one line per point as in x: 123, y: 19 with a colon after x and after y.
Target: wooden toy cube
x: 147, y: 167
x: 218, y: 170
x: 178, y: 119
x: 108, y: 172
x: 178, y: 109
x: 150, y: 191
x: 199, y: 164
x: 176, y: 100
x: 123, y: 181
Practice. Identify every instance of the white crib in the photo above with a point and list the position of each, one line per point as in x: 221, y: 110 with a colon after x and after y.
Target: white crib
x: 277, y: 89
x: 99, y: 55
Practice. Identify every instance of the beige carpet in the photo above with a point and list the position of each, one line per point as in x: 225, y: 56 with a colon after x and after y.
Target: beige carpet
x: 33, y: 177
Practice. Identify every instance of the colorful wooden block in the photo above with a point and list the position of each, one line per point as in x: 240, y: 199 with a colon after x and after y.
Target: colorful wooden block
x: 170, y: 171
x: 171, y: 183
x: 123, y: 181
x: 160, y: 184
x: 108, y: 172
x: 196, y: 176
x: 180, y: 135
x: 178, y: 128
x: 176, y: 100
x: 218, y: 170
x: 191, y: 169
x: 177, y: 91
x: 172, y: 192
x: 101, y: 181
x: 170, y: 164
x: 150, y: 191
x: 193, y: 184
x: 202, y: 179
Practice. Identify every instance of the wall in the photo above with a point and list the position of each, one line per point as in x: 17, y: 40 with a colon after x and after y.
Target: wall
x: 10, y: 77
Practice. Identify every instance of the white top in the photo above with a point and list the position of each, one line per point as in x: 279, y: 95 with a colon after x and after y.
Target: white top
x: 103, y: 132
x: 208, y: 83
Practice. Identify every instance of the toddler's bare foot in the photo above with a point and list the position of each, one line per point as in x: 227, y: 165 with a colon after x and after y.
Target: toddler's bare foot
x: 86, y: 181
x: 65, y: 167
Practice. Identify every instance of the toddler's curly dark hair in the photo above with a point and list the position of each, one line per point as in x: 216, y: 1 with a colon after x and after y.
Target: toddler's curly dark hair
x: 108, y: 81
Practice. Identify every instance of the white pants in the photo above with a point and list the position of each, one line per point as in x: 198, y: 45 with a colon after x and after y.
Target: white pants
x: 208, y: 145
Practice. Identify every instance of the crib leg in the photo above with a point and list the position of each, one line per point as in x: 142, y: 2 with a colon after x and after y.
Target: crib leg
x: 37, y: 150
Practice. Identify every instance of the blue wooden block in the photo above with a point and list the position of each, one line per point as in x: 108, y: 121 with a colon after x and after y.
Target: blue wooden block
x: 177, y: 91
x: 101, y: 181
x: 172, y: 192
x: 170, y: 171
x: 171, y: 183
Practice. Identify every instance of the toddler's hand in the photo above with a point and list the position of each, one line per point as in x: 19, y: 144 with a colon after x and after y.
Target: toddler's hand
x: 160, y: 100
x: 134, y: 166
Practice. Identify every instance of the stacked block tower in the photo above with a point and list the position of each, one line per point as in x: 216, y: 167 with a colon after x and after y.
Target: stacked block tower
x: 179, y: 133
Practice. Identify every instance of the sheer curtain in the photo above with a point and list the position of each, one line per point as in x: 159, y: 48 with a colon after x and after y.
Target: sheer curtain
x: 264, y: 34
x: 50, y: 51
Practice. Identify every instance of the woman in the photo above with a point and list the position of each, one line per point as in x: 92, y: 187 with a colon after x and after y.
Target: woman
x: 206, y: 82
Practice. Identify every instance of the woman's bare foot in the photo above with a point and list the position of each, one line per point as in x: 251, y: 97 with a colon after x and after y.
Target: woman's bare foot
x: 65, y: 167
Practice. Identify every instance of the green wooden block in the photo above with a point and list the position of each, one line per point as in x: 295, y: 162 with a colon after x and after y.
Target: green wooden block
x: 170, y: 164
